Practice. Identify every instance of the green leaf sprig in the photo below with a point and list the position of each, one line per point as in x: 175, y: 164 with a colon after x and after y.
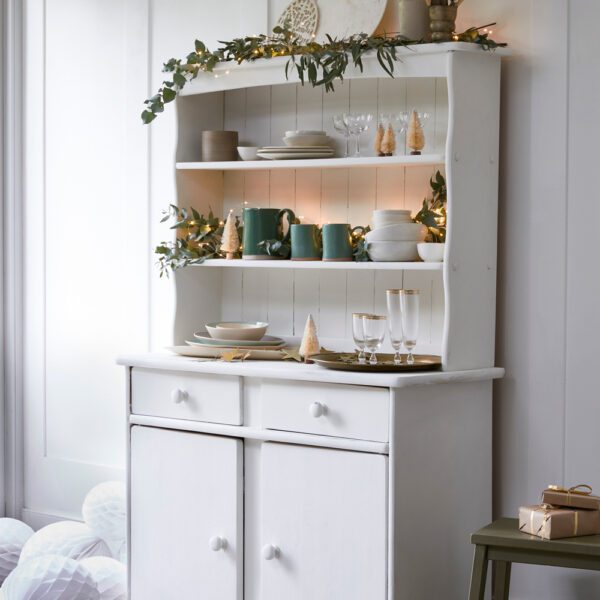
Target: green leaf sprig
x: 315, y: 63
x: 198, y: 238
x: 433, y: 212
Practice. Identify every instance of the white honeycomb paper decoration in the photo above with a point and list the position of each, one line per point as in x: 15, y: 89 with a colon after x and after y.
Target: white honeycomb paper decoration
x: 13, y: 535
x: 50, y: 577
x: 119, y: 550
x: 110, y: 577
x: 105, y: 511
x: 67, y: 538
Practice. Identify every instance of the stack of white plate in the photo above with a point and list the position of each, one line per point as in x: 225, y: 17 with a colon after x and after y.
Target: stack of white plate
x: 291, y: 152
x: 305, y: 137
x: 394, y: 236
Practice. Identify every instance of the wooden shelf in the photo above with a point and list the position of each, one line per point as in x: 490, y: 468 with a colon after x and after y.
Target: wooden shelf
x: 316, y: 163
x: 317, y: 264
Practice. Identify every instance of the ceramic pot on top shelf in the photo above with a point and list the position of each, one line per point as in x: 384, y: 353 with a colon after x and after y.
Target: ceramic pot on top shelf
x: 219, y: 146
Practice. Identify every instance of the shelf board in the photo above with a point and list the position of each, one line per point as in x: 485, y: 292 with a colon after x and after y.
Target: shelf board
x: 316, y: 163
x: 317, y: 264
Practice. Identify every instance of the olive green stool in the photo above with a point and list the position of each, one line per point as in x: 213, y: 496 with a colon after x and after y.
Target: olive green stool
x: 503, y: 543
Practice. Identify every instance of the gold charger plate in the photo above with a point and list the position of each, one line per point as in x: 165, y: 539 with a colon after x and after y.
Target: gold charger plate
x: 344, y: 361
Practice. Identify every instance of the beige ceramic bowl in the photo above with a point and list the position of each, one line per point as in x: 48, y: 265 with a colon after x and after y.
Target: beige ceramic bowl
x: 402, y: 232
x: 392, y: 251
x: 237, y: 331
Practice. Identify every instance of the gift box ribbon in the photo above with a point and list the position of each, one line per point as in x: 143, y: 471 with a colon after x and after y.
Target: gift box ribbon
x: 578, y: 490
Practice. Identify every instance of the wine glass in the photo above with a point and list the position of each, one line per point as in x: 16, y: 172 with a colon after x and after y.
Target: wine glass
x: 340, y: 125
x: 409, y: 305
x: 357, y: 124
x: 358, y: 333
x: 395, y: 323
x: 374, y: 326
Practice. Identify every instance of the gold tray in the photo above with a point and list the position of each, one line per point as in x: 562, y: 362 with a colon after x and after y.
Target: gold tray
x: 344, y: 361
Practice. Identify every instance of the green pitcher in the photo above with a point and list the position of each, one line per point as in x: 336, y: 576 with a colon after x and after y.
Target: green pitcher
x: 264, y: 224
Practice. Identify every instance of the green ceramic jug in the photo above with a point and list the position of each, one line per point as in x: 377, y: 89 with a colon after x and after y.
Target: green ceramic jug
x: 337, y: 241
x: 306, y: 242
x: 264, y: 224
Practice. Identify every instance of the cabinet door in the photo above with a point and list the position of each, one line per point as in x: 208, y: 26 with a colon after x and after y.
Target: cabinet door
x: 185, y: 516
x: 324, y: 524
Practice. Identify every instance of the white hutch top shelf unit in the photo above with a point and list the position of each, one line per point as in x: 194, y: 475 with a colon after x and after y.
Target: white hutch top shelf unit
x: 285, y: 480
x: 457, y: 84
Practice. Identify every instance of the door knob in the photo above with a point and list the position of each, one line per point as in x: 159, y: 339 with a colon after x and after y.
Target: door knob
x: 269, y: 552
x: 178, y: 396
x: 316, y: 410
x: 217, y: 543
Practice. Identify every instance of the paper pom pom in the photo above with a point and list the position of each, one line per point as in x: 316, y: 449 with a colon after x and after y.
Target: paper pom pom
x: 119, y: 550
x: 50, y: 578
x: 13, y: 535
x: 105, y: 510
x: 67, y: 538
x: 110, y: 577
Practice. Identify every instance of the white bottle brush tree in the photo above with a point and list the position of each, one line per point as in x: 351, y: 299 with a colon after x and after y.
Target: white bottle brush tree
x: 230, y: 244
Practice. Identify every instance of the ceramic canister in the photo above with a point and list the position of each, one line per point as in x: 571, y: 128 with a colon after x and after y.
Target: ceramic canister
x: 306, y: 242
x: 219, y: 146
x: 262, y: 224
x: 413, y: 19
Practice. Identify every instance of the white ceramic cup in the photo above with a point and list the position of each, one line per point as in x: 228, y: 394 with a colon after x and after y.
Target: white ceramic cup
x: 248, y: 152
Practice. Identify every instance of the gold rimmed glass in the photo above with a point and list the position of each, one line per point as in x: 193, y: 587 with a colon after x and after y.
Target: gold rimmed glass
x: 409, y: 306
x: 358, y: 333
x: 395, y: 323
x: 374, y: 328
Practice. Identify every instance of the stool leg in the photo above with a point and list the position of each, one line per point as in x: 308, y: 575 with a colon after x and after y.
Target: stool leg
x: 502, y: 580
x: 479, y: 573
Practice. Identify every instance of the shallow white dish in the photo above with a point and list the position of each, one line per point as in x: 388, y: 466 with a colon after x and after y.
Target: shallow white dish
x: 201, y: 337
x: 392, y: 251
x: 237, y: 331
x: 208, y: 352
x: 305, y: 140
x: 431, y: 252
x: 248, y: 152
x: 402, y: 232
x: 305, y: 132
x: 294, y: 155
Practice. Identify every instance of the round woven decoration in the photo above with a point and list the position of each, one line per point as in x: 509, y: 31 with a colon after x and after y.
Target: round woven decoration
x: 302, y: 17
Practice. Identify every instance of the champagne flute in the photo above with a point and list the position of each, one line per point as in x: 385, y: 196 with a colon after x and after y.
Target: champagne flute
x: 374, y: 326
x: 395, y: 323
x: 358, y: 333
x: 409, y: 305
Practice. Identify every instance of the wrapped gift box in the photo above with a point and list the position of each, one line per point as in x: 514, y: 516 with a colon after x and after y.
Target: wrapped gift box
x: 551, y: 523
x: 575, y: 497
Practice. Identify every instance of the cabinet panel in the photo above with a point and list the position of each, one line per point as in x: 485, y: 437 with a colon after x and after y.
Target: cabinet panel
x: 193, y: 396
x: 186, y: 499
x: 351, y: 411
x: 323, y: 525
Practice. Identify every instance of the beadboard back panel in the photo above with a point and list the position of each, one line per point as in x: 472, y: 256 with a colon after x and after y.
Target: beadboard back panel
x: 261, y: 115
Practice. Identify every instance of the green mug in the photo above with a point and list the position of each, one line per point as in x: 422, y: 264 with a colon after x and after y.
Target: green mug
x: 306, y: 242
x: 337, y: 242
x: 264, y: 224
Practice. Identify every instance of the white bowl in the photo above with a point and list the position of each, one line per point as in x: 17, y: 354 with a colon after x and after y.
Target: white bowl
x: 430, y: 252
x: 237, y: 331
x: 305, y: 140
x: 248, y: 152
x: 304, y: 132
x: 402, y: 232
x: 385, y: 218
x: 392, y: 251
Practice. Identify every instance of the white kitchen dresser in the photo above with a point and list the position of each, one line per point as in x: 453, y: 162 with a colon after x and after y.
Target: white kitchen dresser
x: 269, y: 480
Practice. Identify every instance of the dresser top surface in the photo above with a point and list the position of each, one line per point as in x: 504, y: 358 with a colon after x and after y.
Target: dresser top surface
x: 303, y: 372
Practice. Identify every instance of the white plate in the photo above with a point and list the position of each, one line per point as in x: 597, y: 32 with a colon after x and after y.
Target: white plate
x: 268, y: 340
x: 206, y: 352
x: 289, y: 156
x: 296, y: 149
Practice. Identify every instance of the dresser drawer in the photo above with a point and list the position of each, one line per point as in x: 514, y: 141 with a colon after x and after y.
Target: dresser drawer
x: 193, y: 396
x: 349, y: 411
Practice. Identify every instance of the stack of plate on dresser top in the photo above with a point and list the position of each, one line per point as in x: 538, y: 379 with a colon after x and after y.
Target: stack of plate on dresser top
x: 222, y: 338
x: 299, y: 144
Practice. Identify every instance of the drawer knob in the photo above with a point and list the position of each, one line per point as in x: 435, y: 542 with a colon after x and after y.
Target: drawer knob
x: 316, y: 410
x: 178, y: 396
x: 269, y: 552
x: 217, y: 543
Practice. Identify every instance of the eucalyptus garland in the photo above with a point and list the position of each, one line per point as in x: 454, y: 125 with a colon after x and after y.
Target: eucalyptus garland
x: 316, y: 63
